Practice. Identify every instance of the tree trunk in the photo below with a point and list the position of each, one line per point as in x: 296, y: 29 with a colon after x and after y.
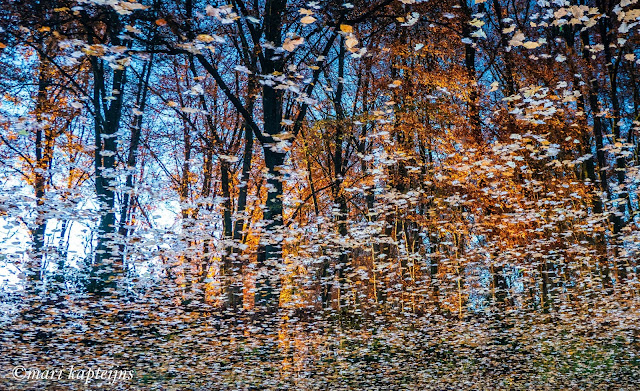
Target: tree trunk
x: 604, y: 25
x: 132, y: 156
x: 268, y: 281
x: 105, y: 264
x: 598, y: 132
x: 44, y: 155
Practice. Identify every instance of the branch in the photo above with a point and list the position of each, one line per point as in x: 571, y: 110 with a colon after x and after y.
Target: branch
x: 309, y: 89
x: 263, y: 138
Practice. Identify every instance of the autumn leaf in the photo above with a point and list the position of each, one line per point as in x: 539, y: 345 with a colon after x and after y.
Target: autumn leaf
x: 351, y: 42
x: 345, y: 28
x: 307, y: 19
x: 290, y: 44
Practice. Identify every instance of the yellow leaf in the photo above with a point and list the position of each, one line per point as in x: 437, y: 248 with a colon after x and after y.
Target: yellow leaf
x: 477, y: 23
x: 205, y: 38
x: 345, y: 28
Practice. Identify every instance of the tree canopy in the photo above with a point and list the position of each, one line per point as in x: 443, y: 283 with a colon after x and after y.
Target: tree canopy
x: 287, y: 194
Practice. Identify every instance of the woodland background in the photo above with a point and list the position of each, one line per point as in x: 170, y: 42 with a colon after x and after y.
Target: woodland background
x: 280, y: 194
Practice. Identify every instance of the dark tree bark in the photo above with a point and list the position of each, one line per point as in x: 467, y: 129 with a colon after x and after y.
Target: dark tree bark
x: 107, y: 263
x: 132, y: 155
x: 44, y: 154
x: 598, y: 132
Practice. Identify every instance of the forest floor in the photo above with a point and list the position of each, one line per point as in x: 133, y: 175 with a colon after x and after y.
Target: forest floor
x: 175, y: 349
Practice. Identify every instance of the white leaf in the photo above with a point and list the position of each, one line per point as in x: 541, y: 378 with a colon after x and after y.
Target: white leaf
x: 479, y: 34
x: 351, y: 42
x: 517, y: 39
x: 243, y: 69
x: 412, y: 19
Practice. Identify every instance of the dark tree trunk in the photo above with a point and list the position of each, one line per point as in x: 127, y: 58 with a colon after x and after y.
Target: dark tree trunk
x: 612, y: 65
x: 470, y: 65
x: 108, y: 112
x: 132, y: 156
x: 268, y: 281
x: 598, y: 132
x: 44, y: 152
